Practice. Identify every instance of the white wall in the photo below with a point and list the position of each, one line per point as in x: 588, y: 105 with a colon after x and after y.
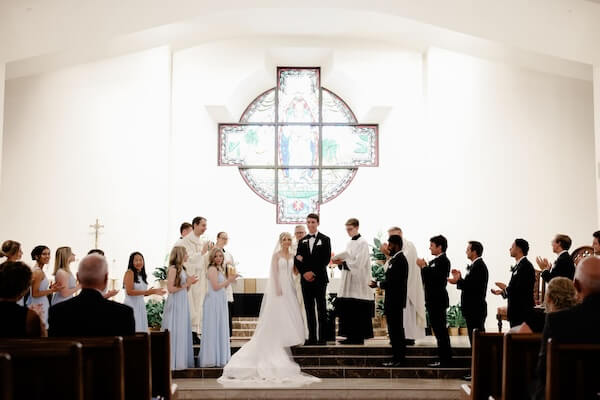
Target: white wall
x: 85, y: 142
x: 2, y: 84
x: 597, y: 133
x: 468, y: 148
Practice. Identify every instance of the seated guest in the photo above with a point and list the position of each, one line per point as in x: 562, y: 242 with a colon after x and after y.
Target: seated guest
x: 596, y: 243
x: 89, y: 313
x: 579, y: 324
x: 560, y: 295
x: 519, y: 291
x: 17, y: 321
x: 563, y: 266
x: 106, y: 293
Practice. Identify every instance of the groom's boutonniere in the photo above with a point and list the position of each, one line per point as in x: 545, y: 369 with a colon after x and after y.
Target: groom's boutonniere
x: 319, y: 242
x: 305, y: 241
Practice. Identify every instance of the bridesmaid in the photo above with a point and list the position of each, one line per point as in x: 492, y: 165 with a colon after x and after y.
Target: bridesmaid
x: 215, y: 350
x: 40, y: 289
x: 176, y: 317
x: 64, y: 277
x: 13, y: 252
x: 136, y: 287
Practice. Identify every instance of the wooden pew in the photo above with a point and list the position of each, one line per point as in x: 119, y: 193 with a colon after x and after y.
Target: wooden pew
x: 6, y: 392
x: 572, y: 371
x: 486, y: 366
x: 519, y: 361
x: 160, y: 348
x: 45, y: 370
x: 138, y: 369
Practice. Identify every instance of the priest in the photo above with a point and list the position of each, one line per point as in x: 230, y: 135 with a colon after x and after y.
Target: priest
x: 196, y: 248
x: 414, y: 317
x: 355, y: 303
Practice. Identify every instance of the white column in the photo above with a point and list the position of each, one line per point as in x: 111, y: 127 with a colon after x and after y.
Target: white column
x: 597, y: 134
x: 2, y: 80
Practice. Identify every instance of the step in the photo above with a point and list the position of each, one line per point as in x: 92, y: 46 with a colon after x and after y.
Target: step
x: 346, y: 372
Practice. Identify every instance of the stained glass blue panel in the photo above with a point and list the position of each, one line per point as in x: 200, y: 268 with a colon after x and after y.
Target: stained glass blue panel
x: 247, y: 145
x: 298, y: 95
x: 350, y: 146
x: 298, y: 145
x: 335, y: 110
x: 262, y: 181
x: 298, y: 194
x: 262, y: 109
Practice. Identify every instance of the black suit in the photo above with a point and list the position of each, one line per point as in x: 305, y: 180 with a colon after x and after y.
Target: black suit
x: 435, y: 278
x: 577, y: 325
x: 520, y: 292
x: 563, y: 266
x: 396, y: 278
x: 90, y: 314
x: 472, y: 298
x: 315, y: 261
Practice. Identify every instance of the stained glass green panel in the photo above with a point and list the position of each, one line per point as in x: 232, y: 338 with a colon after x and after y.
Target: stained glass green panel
x: 349, y: 146
x: 247, y: 145
x: 298, y: 194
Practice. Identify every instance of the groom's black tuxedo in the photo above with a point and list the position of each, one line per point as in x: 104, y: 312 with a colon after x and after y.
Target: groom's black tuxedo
x: 314, y: 261
x: 395, y: 286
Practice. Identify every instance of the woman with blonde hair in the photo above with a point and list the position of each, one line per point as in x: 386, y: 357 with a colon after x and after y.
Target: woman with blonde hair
x: 64, y: 277
x: 176, y: 318
x: 215, y: 350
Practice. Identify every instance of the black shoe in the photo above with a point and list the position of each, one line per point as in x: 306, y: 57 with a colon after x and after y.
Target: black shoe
x: 409, y: 342
x: 321, y: 343
x: 310, y: 342
x: 352, y: 341
x: 467, y: 378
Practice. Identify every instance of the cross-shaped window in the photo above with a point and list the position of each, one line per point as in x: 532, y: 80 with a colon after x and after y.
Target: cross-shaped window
x: 298, y: 145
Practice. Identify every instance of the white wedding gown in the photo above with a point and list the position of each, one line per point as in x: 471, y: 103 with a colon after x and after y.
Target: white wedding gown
x: 267, y: 357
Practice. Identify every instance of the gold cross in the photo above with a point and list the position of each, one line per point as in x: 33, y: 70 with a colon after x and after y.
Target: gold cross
x: 97, y: 228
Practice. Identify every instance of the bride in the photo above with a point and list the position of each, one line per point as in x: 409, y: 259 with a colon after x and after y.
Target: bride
x: 267, y: 356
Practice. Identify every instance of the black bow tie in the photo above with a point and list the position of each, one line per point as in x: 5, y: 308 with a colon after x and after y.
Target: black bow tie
x: 312, y: 236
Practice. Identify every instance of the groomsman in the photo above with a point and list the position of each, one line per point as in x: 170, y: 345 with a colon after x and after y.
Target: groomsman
x: 435, y: 277
x: 312, y: 258
x: 519, y: 291
x: 473, y: 288
x: 563, y: 266
x: 395, y: 286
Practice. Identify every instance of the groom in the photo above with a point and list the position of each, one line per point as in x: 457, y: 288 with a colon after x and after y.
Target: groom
x: 312, y: 257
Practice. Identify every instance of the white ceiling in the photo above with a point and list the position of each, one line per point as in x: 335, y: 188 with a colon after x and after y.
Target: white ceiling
x: 559, y: 36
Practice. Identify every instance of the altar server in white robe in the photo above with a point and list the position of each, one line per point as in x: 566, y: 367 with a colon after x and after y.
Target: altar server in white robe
x: 355, y: 299
x: 196, y: 247
x: 414, y: 313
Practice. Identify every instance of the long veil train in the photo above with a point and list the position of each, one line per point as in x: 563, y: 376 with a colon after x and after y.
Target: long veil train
x: 267, y: 356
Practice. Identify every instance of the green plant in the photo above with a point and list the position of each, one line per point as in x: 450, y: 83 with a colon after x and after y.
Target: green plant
x: 377, y: 272
x: 376, y: 254
x: 454, y: 317
x: 460, y: 318
x: 379, y: 307
x: 160, y: 273
x: 154, y: 309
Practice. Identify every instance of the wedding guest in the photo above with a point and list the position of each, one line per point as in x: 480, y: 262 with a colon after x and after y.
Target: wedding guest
x: 106, y: 293
x: 519, y: 291
x: 96, y: 251
x: 228, y: 263
x: 435, y: 277
x: 355, y: 299
x: 176, y: 317
x: 17, y: 321
x: 89, y: 313
x: 12, y: 251
x: 40, y: 287
x: 64, y: 277
x: 563, y: 266
x: 136, y: 287
x: 185, y: 229
x: 215, y: 350
x: 395, y: 286
x: 312, y: 258
x: 473, y: 289
x: 578, y: 325
x: 596, y: 243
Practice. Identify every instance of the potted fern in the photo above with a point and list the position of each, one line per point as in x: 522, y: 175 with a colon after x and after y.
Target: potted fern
x: 160, y: 274
x: 154, y: 310
x: 452, y: 320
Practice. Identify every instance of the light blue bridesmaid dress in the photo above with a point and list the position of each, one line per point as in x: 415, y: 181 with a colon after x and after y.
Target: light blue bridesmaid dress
x: 43, y: 300
x: 59, y: 298
x: 139, y: 306
x: 215, y: 350
x: 176, y: 318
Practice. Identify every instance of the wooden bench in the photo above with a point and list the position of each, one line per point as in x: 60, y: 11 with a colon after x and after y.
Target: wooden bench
x: 572, y: 371
x: 486, y: 366
x: 160, y: 348
x: 6, y: 392
x: 137, y: 367
x: 519, y: 362
x: 45, y: 369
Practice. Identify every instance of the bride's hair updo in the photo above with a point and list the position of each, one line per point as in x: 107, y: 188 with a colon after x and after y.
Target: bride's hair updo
x: 211, y: 259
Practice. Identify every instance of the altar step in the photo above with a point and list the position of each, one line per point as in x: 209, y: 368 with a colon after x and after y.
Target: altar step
x: 243, y: 327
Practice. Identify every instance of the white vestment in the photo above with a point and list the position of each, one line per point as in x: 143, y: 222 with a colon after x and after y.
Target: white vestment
x: 414, y: 312
x: 195, y: 265
x: 355, y: 280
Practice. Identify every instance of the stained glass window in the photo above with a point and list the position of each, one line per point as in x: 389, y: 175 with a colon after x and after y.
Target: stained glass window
x: 298, y: 145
